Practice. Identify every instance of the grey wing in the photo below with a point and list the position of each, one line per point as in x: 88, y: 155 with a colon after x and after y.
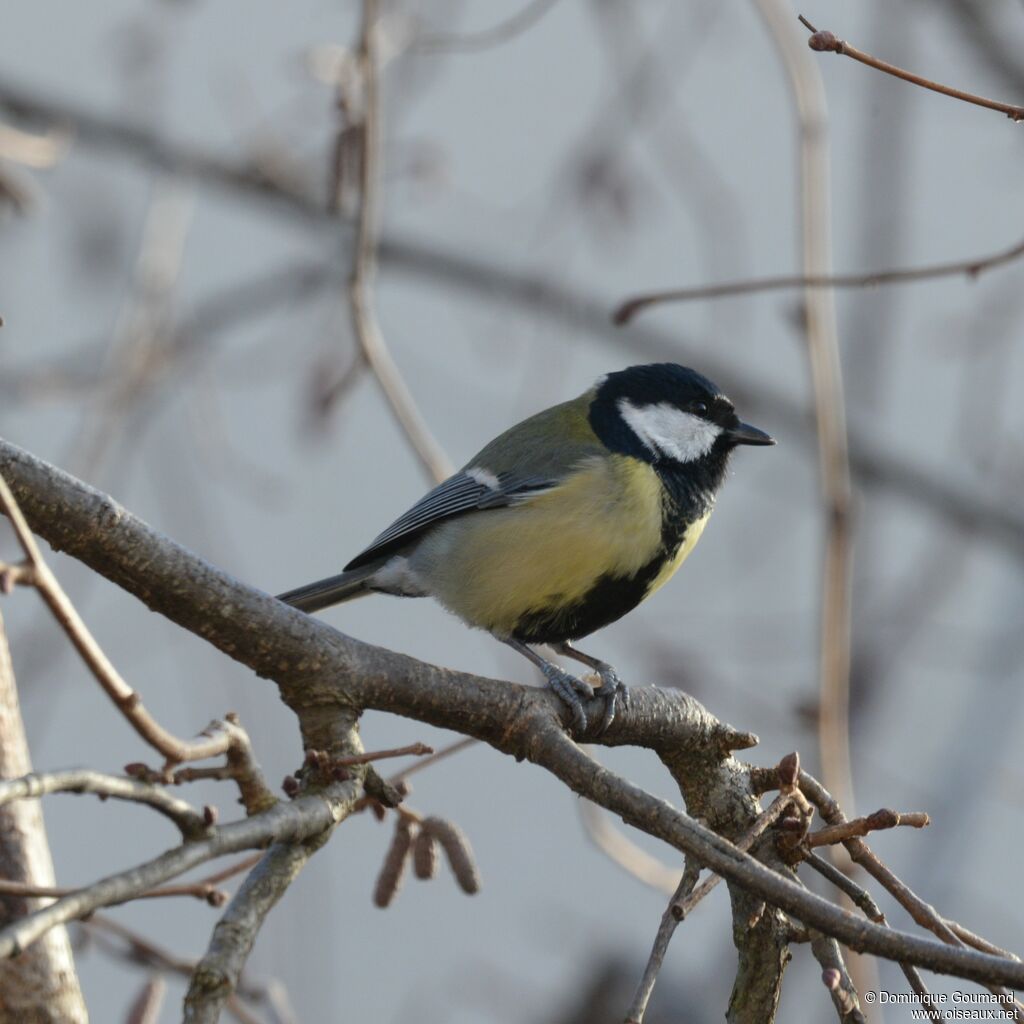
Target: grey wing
x: 458, y: 494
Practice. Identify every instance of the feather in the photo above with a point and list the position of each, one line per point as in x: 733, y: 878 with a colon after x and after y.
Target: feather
x: 466, y: 491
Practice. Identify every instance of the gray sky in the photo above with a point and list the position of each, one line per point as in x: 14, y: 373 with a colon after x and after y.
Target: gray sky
x: 696, y: 180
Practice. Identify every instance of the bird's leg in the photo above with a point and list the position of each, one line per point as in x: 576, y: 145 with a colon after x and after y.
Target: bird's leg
x: 613, y: 689
x: 566, y: 686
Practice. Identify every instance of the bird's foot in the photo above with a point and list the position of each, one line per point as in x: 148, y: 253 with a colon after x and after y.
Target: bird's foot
x: 569, y: 690
x: 615, y: 694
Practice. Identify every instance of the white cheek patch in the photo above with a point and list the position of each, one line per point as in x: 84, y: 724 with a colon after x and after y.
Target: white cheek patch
x: 669, y: 432
x: 484, y: 477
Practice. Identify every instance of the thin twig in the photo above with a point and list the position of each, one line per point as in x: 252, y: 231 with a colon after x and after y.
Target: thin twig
x: 666, y: 929
x: 686, y: 896
x: 127, y: 700
x: 824, y: 41
x: 882, y: 819
x: 413, y: 749
x: 862, y: 899
x: 972, y: 269
x: 836, y: 978
x: 296, y: 820
x: 364, y: 263
x: 453, y: 748
x: 970, y: 939
x: 83, y: 780
x: 923, y: 913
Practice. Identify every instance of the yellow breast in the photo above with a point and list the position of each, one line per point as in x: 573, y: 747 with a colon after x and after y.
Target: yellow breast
x: 690, y: 538
x: 604, y: 520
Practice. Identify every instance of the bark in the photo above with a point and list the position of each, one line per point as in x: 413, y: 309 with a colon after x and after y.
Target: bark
x: 40, y: 986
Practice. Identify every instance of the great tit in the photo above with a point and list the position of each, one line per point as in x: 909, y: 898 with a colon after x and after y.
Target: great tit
x: 565, y: 522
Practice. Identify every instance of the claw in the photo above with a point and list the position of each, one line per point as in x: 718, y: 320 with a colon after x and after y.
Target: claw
x: 568, y: 688
x: 615, y: 693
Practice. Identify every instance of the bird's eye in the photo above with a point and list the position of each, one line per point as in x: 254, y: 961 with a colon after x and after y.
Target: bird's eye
x: 699, y: 408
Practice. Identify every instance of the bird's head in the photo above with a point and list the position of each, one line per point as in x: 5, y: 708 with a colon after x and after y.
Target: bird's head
x: 664, y: 413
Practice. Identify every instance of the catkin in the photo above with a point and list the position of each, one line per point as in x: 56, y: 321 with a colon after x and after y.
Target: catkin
x: 389, y: 881
x: 424, y: 853
x: 459, y: 852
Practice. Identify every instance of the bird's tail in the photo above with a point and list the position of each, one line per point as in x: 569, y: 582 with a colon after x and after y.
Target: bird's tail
x: 323, y: 593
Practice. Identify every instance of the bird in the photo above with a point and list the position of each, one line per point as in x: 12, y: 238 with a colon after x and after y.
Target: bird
x: 563, y: 523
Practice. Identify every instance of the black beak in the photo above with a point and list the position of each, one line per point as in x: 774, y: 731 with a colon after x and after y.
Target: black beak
x: 744, y: 433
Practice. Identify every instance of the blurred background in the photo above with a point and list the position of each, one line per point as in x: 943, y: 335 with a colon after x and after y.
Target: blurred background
x: 173, y: 286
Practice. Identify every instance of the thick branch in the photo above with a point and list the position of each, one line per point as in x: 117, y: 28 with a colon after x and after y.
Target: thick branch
x: 216, y: 976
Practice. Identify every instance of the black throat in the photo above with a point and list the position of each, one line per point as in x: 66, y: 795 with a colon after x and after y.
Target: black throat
x: 690, y: 487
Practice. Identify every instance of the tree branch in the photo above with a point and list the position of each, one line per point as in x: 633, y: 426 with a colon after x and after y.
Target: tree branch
x: 324, y: 674
x: 192, y: 824
x: 216, y: 976
x: 825, y: 42
x: 364, y: 262
x: 297, y: 821
x: 127, y: 700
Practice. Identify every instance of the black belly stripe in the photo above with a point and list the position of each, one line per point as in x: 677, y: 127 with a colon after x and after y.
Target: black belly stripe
x: 687, y: 497
x: 609, y: 599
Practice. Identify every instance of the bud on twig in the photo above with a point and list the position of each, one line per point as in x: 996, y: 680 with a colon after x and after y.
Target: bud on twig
x: 789, y: 770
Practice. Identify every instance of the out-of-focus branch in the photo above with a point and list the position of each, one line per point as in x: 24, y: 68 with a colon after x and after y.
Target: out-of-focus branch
x: 963, y: 508
x: 324, y: 674
x: 364, y: 261
x: 474, y: 42
x: 141, y: 951
x: 621, y: 850
x: 142, y: 324
x: 31, y: 150
x: 246, y: 177
x: 970, y: 268
x: 826, y: 42
x: 829, y: 405
x: 148, y: 1003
